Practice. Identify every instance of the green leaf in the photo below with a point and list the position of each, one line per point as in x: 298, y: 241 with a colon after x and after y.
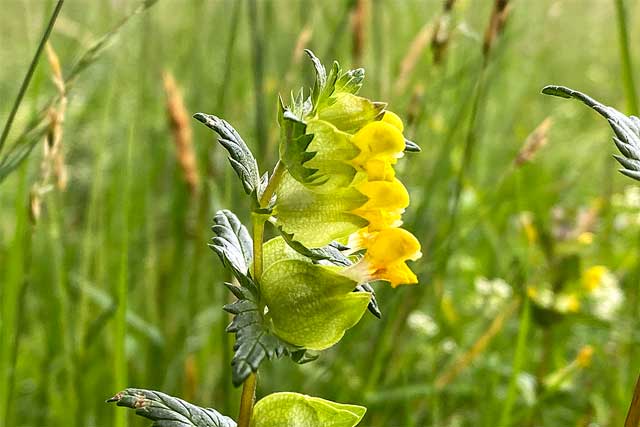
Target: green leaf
x: 294, y: 142
x: 332, y: 150
x: 316, y: 219
x: 321, y: 72
x: 254, y: 341
x: 330, y: 253
x: 350, y: 82
x: 240, y: 156
x: 232, y: 243
x: 626, y: 129
x: 15, y: 156
x: 310, y: 305
x: 299, y: 410
x: 168, y: 411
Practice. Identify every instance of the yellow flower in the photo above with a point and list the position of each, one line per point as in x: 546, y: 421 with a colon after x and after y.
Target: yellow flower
x: 592, y: 277
x: 385, y: 204
x: 584, y: 356
x: 341, y: 184
x: 385, y: 258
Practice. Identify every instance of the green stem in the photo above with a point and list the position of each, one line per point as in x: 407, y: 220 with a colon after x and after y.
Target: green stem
x: 518, y: 360
x: 258, y: 219
x: 625, y: 56
x: 30, y: 71
x: 247, y: 400
x: 276, y: 177
x: 122, y: 289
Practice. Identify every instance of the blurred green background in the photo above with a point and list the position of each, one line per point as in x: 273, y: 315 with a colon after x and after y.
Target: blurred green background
x: 510, y: 325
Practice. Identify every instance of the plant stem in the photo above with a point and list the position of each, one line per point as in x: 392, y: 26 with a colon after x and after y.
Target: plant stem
x: 30, y: 71
x: 518, y: 360
x: 247, y: 398
x: 633, y: 416
x: 276, y: 177
x: 625, y: 56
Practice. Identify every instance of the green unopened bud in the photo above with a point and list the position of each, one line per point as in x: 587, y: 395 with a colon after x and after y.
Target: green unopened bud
x: 299, y: 410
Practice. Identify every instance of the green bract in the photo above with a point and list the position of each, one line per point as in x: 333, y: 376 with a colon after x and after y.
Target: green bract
x: 350, y: 112
x: 310, y: 305
x: 317, y: 218
x: 299, y: 410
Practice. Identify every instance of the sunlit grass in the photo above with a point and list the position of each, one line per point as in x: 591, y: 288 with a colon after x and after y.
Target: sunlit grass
x: 128, y: 227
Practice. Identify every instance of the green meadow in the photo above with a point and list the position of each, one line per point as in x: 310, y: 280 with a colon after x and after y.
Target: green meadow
x: 528, y: 308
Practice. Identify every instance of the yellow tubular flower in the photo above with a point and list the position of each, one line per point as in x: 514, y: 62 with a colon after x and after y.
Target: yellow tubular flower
x: 387, y: 200
x: 393, y: 119
x: 378, y: 141
x: 387, y: 252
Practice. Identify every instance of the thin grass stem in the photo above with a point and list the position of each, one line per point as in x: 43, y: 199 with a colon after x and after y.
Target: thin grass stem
x: 625, y: 57
x: 518, y: 361
x: 29, y: 74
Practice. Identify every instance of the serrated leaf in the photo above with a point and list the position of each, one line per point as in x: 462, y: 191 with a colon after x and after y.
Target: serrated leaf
x: 232, y: 243
x: 294, y: 144
x: 310, y: 305
x: 351, y: 81
x: 240, y: 156
x: 626, y: 128
x: 255, y: 342
x: 330, y: 253
x: 316, y: 219
x: 332, y: 150
x: 299, y: 410
x: 169, y: 411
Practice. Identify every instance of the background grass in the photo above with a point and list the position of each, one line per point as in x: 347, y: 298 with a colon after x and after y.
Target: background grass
x: 126, y: 240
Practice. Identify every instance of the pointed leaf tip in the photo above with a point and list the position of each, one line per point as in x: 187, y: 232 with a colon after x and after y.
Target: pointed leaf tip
x: 560, y: 91
x: 169, y: 411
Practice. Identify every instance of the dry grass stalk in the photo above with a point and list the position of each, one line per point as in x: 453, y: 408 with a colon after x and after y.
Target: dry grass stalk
x: 408, y: 64
x: 180, y: 122
x: 441, y: 33
x: 478, y: 347
x: 298, y: 52
x: 52, y: 164
x: 534, y: 142
x: 190, y: 377
x: 358, y: 20
x: 301, y: 43
x: 56, y: 120
x: 633, y: 416
x: 499, y: 14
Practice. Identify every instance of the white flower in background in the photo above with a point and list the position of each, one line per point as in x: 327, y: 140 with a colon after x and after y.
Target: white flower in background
x: 491, y: 294
x: 632, y: 197
x: 629, y: 199
x: 449, y: 346
x: 527, y: 384
x: 422, y: 323
x: 604, y: 292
